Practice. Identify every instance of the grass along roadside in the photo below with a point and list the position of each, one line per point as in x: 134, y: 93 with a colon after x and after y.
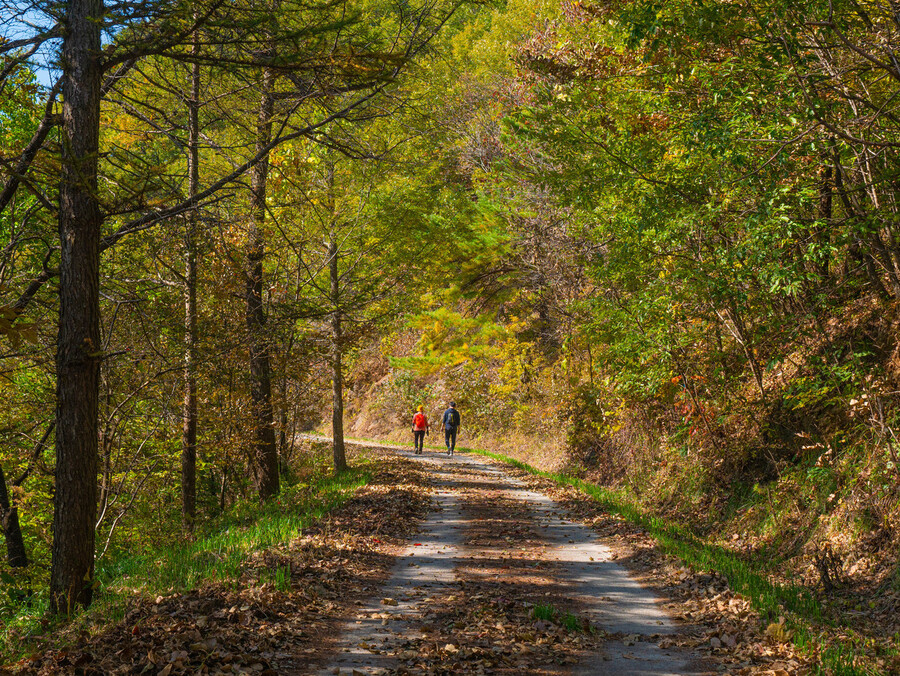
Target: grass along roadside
x: 215, y: 555
x: 805, y: 623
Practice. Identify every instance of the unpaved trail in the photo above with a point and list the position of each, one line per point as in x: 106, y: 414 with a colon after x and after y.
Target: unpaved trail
x: 491, y: 547
x: 423, y: 570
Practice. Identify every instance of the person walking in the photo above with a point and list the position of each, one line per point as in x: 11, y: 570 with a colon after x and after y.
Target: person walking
x: 451, y: 423
x: 419, y: 429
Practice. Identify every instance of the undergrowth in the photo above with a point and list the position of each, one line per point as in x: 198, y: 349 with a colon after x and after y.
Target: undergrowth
x: 214, y: 555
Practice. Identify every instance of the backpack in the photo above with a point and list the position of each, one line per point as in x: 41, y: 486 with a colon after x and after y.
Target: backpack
x: 452, y: 420
x: 419, y: 420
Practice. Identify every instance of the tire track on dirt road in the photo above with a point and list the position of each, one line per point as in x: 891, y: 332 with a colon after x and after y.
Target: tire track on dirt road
x: 423, y: 569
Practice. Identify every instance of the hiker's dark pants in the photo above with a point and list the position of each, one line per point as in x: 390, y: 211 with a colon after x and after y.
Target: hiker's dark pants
x: 419, y: 440
x: 450, y: 438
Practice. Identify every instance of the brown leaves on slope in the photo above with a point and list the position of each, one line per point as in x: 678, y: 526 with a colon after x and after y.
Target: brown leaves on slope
x: 250, y: 625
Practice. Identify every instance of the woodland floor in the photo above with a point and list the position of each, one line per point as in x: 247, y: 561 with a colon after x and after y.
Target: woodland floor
x: 445, y: 565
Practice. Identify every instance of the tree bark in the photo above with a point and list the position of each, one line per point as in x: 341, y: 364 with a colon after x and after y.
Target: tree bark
x: 337, y: 376
x: 78, y: 348
x: 104, y: 443
x: 189, y: 406
x: 9, y: 517
x: 826, y: 200
x: 264, y: 451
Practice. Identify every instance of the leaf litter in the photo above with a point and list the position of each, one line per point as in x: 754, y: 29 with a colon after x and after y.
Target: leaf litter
x: 487, y: 622
x: 250, y: 626
x: 507, y: 612
x: 715, y: 621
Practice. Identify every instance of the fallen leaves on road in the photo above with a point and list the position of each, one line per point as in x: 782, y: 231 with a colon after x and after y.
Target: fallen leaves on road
x: 483, y: 628
x: 487, y: 623
x: 716, y: 621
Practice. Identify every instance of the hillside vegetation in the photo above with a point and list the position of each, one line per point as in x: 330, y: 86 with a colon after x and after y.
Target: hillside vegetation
x: 687, y: 289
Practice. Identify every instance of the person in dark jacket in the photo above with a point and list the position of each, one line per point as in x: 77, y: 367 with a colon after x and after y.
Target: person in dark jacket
x: 451, y: 426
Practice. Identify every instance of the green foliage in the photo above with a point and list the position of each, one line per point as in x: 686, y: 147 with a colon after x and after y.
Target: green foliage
x: 405, y: 392
x: 572, y: 622
x: 547, y: 612
x: 216, y: 554
x: 448, y: 339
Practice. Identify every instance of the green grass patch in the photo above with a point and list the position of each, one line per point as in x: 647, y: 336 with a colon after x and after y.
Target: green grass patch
x: 218, y: 552
x: 801, y: 610
x: 543, y: 611
x: 214, y: 555
x: 549, y: 613
x: 571, y: 622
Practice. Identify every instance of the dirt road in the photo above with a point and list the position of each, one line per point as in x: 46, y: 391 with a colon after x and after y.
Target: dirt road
x: 499, y: 581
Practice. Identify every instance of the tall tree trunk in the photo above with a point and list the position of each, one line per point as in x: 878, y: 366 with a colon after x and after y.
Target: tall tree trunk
x: 590, y: 355
x: 285, y: 429
x: 189, y: 406
x: 78, y: 346
x: 825, y: 210
x: 9, y: 517
x: 105, y: 449
x: 337, y: 377
x: 224, y: 485
x: 264, y: 452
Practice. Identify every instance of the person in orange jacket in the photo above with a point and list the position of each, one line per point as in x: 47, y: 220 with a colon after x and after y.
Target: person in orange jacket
x: 420, y: 429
